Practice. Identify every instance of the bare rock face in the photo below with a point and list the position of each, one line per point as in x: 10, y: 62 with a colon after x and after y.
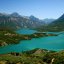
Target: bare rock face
x: 18, y: 63
x: 3, y: 44
x: 39, y: 51
x: 15, y: 21
x: 3, y: 62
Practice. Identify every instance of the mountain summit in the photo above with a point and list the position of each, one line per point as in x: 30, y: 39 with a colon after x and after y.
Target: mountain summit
x: 15, y: 14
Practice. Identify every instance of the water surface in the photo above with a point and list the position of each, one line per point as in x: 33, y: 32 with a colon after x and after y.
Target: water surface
x: 50, y: 43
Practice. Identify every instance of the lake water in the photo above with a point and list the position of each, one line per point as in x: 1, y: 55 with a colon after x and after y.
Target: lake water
x: 51, y: 43
x: 25, y: 31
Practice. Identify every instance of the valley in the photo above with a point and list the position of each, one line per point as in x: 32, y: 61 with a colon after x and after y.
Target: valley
x: 23, y: 38
x: 31, y: 31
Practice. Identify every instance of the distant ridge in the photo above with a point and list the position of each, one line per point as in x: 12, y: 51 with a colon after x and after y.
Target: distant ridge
x: 58, y: 25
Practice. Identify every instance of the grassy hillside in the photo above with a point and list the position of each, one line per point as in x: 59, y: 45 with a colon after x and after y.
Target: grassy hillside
x: 32, y: 57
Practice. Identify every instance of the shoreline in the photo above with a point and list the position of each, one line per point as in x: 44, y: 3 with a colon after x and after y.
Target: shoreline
x: 14, y: 38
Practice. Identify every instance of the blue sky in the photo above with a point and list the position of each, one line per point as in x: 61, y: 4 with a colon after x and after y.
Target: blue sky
x: 39, y: 8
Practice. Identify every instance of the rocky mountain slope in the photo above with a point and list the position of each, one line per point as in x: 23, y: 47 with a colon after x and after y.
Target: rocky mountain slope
x: 16, y: 21
x: 57, y: 25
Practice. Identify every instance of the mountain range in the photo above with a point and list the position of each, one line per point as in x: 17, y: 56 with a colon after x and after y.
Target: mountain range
x: 48, y: 21
x: 53, y: 24
x: 58, y: 24
x: 15, y: 21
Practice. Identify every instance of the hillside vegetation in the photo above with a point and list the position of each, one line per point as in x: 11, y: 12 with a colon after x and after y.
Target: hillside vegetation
x: 36, y: 56
x: 11, y: 37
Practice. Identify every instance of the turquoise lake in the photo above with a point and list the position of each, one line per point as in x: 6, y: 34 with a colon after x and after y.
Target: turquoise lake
x: 55, y: 43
